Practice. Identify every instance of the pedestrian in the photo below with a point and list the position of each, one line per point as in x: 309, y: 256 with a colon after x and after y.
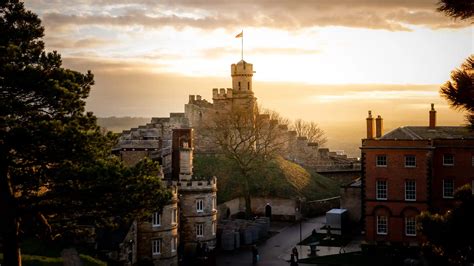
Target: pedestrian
x: 295, y: 252
x: 255, y: 255
x: 293, y: 261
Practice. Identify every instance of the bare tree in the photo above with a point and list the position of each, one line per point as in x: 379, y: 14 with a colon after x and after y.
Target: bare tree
x: 310, y: 130
x: 249, y: 140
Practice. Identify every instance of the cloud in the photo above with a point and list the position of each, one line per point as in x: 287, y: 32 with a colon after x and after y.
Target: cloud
x: 393, y: 15
x: 61, y: 43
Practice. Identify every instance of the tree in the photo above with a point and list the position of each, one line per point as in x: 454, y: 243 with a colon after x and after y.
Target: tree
x: 459, y: 91
x: 462, y: 9
x: 56, y: 166
x: 450, y: 236
x: 249, y: 140
x: 310, y: 130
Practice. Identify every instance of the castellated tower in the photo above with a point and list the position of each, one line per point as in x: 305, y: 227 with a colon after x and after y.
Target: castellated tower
x: 198, y: 210
x: 243, y: 97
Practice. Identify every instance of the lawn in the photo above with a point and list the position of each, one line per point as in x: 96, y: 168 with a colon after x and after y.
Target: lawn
x: 38, y: 253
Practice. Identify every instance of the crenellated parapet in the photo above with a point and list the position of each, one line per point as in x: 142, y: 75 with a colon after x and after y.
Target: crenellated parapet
x: 222, y: 93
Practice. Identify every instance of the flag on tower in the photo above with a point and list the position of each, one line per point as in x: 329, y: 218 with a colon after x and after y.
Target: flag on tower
x: 240, y: 35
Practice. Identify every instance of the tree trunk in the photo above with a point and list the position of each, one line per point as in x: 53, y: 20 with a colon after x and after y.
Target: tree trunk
x: 247, y: 197
x: 9, y: 222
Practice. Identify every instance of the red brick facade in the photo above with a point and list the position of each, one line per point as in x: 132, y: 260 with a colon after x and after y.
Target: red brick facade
x: 411, y: 181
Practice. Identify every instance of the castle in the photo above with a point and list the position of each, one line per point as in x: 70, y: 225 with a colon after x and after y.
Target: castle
x: 190, y: 216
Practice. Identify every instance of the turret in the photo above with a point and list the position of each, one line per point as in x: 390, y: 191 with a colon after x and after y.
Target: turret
x: 242, y: 73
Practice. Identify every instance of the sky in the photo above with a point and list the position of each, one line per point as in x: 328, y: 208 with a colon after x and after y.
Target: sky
x: 320, y: 60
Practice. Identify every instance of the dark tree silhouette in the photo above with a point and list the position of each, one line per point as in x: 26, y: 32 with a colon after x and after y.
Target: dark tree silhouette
x: 459, y: 91
x: 56, y: 166
x: 462, y: 9
x: 450, y: 237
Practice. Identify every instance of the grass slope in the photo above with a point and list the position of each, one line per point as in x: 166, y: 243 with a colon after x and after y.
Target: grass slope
x: 278, y: 178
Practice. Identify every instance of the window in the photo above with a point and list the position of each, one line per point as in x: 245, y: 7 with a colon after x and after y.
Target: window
x: 199, y: 205
x: 382, y: 228
x: 410, y: 190
x: 174, y: 243
x: 156, y: 219
x: 448, y: 159
x: 213, y: 228
x: 448, y: 188
x: 381, y: 190
x: 214, y: 203
x: 174, y: 215
x: 239, y: 85
x: 410, y: 161
x: 156, y: 246
x: 248, y: 86
x: 381, y: 161
x: 199, y: 230
x: 410, y: 226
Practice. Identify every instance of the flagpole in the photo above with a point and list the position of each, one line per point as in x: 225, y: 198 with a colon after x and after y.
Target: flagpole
x: 242, y: 50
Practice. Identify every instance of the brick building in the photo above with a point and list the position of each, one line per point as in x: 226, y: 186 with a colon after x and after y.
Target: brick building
x: 409, y: 170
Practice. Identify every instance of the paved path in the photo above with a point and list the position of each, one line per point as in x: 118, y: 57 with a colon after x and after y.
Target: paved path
x: 276, y: 250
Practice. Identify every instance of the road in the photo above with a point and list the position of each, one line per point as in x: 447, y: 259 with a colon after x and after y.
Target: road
x: 277, y: 249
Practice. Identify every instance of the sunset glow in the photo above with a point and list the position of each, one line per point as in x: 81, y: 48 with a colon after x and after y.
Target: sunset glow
x: 138, y: 50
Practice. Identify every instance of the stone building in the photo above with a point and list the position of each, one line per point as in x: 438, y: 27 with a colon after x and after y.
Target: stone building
x: 190, y: 216
x: 409, y: 170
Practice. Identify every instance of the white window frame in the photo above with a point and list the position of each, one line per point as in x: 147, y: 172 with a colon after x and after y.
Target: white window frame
x: 156, y: 219
x: 406, y: 161
x: 381, y: 221
x: 407, y: 192
x: 200, y: 230
x: 444, y: 189
x: 174, y: 243
x: 174, y: 216
x: 200, y: 205
x: 410, y: 222
x: 379, y: 188
x: 156, y: 246
x: 377, y: 160
x: 449, y: 163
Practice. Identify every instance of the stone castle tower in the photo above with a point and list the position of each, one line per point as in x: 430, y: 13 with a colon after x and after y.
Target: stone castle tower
x: 198, y: 196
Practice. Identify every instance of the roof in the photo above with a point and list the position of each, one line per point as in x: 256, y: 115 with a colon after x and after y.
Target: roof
x: 426, y: 133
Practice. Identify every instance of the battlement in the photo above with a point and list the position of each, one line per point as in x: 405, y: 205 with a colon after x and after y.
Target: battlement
x: 242, y: 68
x: 199, y: 101
x: 218, y: 94
x: 197, y: 183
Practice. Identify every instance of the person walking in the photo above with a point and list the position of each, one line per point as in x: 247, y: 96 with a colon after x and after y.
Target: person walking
x: 295, y: 252
x: 293, y: 261
x: 255, y: 255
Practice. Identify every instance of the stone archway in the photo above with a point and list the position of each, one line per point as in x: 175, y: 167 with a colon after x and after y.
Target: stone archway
x: 268, y: 211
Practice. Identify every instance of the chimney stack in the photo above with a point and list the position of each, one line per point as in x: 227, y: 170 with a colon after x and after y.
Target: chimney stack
x: 370, y: 126
x: 182, y: 153
x: 432, y: 117
x: 378, y: 127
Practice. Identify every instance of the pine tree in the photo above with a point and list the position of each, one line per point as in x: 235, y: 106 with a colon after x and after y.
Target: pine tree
x: 56, y: 166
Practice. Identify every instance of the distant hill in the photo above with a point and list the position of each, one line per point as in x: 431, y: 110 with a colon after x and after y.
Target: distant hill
x: 118, y: 124
x: 277, y: 178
